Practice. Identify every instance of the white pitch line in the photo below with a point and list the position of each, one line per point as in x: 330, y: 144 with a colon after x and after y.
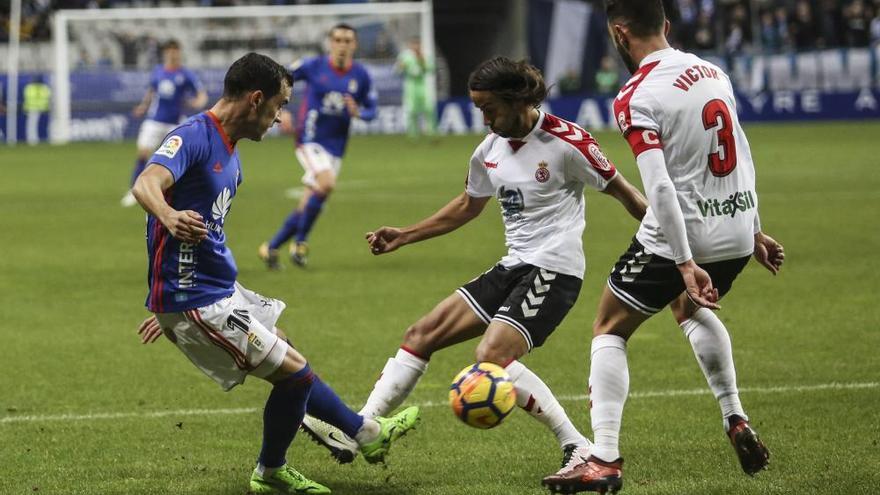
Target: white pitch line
x: 565, y: 398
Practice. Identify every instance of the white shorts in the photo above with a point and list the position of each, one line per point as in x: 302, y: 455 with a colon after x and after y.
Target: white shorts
x: 314, y: 160
x: 152, y: 133
x: 231, y: 338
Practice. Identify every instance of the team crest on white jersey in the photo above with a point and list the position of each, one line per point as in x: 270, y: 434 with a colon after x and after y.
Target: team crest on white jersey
x: 352, y: 86
x: 542, y: 174
x: 621, y: 122
x: 599, y: 157
x: 170, y: 146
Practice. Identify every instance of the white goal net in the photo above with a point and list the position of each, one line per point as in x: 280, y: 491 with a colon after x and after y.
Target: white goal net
x: 103, y: 57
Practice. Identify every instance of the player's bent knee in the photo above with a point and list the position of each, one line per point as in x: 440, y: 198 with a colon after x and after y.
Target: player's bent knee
x: 612, y: 323
x: 293, y: 361
x: 682, y: 308
x: 325, y: 190
x: 487, y: 353
x: 420, y: 338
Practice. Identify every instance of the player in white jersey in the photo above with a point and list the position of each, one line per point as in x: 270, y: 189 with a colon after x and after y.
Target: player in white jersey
x: 678, y: 114
x: 537, y: 165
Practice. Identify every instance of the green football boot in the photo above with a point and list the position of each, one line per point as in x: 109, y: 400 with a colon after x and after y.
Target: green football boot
x: 390, y: 430
x: 285, y: 481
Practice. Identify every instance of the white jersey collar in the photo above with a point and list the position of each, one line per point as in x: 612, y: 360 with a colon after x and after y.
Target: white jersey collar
x: 655, y: 56
x: 532, y: 132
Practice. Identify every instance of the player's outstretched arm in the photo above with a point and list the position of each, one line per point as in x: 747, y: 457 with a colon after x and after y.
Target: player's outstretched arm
x: 456, y: 213
x: 199, y: 101
x: 142, y: 107
x: 769, y: 252
x: 149, y: 190
x: 628, y: 195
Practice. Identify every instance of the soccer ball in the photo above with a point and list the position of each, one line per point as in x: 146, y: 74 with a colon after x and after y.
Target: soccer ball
x: 482, y: 395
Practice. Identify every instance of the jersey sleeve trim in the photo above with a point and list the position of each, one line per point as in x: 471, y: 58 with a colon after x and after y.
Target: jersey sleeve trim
x: 582, y: 141
x: 641, y: 140
x: 621, y: 102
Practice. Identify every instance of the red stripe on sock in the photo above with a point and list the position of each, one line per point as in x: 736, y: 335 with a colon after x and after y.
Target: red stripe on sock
x: 414, y: 353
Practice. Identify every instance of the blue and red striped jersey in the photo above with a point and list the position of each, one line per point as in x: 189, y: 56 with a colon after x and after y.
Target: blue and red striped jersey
x: 207, y: 173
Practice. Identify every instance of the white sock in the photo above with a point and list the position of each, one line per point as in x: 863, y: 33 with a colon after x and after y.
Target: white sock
x: 609, y: 387
x: 265, y: 472
x: 535, y: 397
x: 368, y: 432
x: 398, y: 378
x: 713, y: 351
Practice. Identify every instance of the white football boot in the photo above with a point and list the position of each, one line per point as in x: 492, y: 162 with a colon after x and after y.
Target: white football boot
x: 342, y: 447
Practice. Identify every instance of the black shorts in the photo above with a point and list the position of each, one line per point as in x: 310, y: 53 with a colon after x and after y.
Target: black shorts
x: 532, y: 300
x: 647, y: 282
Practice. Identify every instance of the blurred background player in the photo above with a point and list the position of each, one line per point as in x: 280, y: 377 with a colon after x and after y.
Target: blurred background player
x: 173, y: 91
x: 678, y: 114
x: 417, y: 102
x: 337, y: 90
x: 537, y: 166
x: 37, y: 96
x: 226, y: 330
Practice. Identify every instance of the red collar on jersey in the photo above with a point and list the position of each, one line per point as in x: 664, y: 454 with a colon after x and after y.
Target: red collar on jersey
x: 516, y: 144
x: 229, y: 144
x: 337, y: 70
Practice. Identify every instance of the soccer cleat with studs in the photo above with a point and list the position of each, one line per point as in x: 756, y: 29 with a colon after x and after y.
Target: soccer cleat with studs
x: 269, y: 256
x: 594, y: 475
x: 287, y: 481
x: 391, y: 429
x: 572, y: 455
x: 341, y: 446
x: 299, y: 254
x: 753, y: 454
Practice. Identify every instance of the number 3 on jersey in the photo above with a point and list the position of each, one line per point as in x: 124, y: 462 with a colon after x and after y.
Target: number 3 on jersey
x: 716, y: 116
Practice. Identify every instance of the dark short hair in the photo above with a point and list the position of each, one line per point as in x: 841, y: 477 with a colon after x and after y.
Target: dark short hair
x: 342, y: 25
x: 642, y: 17
x: 169, y: 44
x: 510, y: 80
x: 254, y: 72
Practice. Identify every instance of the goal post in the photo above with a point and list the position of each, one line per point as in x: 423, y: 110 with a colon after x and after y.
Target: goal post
x: 279, y: 31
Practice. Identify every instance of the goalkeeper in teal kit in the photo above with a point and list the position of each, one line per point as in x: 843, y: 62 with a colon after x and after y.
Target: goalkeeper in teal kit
x: 416, y: 68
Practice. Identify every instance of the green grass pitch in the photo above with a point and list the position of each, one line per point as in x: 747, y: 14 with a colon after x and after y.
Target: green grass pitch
x: 86, y: 409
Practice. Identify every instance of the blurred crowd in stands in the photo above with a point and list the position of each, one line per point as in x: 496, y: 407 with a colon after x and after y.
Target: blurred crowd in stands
x: 729, y: 26
x: 735, y: 26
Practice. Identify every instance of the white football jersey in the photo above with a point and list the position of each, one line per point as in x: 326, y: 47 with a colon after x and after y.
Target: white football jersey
x: 685, y: 106
x: 539, y: 182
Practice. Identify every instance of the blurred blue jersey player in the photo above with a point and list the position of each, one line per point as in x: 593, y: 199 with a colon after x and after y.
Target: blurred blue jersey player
x: 338, y: 88
x: 226, y: 330
x: 173, y: 90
